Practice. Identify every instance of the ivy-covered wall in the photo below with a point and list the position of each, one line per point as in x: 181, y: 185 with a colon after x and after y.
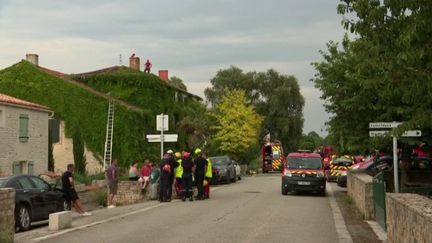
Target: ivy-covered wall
x: 78, y: 107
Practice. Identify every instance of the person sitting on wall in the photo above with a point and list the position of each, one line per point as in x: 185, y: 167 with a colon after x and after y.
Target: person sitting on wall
x: 70, y: 194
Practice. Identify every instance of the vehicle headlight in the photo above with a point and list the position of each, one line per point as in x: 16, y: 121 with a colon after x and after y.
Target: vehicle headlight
x: 288, y: 173
x: 320, y: 174
x: 344, y: 173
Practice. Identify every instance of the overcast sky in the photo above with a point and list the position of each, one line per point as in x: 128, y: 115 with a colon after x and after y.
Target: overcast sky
x: 193, y: 39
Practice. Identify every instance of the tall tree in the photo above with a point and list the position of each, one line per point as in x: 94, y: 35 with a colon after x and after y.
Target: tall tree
x: 177, y: 82
x: 277, y: 98
x: 383, y: 74
x: 237, y: 125
x: 78, y: 152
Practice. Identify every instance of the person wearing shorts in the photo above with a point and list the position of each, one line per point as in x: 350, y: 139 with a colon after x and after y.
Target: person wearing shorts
x: 68, y: 185
x: 145, y: 174
x: 112, y: 178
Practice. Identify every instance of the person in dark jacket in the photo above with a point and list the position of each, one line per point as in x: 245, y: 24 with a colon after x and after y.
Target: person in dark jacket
x: 165, y: 176
x: 200, y: 170
x: 187, y: 166
x: 174, y: 164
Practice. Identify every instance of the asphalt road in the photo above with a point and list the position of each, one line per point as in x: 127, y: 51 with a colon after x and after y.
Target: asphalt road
x: 251, y: 210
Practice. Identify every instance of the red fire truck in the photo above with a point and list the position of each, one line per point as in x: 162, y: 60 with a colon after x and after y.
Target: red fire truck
x: 272, y: 155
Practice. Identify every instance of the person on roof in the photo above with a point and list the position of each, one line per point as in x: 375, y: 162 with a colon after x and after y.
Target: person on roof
x: 147, y: 66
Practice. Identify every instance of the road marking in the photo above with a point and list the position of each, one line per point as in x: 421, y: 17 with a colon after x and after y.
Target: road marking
x: 341, y: 229
x: 46, y: 237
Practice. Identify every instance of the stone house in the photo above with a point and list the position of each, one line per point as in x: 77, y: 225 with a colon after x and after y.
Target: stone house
x: 23, y: 136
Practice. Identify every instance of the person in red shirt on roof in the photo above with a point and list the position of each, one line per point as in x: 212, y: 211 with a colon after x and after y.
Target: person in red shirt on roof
x: 147, y: 66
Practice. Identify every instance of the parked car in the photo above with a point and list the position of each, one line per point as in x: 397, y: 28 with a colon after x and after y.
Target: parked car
x: 371, y: 166
x: 35, y: 199
x: 238, y: 170
x: 303, y: 171
x: 223, y: 170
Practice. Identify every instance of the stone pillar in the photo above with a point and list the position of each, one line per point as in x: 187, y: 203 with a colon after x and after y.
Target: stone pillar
x: 7, y: 209
x: 134, y: 62
x: 33, y: 59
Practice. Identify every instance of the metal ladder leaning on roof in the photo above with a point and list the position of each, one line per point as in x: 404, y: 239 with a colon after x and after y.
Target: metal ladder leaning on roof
x: 109, y: 135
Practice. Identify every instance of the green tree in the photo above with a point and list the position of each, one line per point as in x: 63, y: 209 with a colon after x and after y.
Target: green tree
x: 311, y: 141
x: 177, y: 82
x: 237, y: 125
x: 277, y: 98
x: 383, y: 74
x: 78, y: 152
x: 195, y: 125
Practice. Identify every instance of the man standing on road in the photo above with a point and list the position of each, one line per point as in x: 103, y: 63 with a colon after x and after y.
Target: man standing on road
x: 68, y: 185
x: 208, y: 176
x: 112, y: 177
x: 173, y: 164
x: 200, y: 170
x: 187, y: 168
x: 165, y: 179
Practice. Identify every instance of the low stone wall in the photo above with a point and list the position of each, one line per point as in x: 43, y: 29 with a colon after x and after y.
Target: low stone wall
x: 409, y: 218
x: 128, y: 192
x: 7, y: 218
x: 360, y: 189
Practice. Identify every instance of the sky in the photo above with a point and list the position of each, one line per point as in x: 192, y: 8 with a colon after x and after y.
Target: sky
x: 193, y: 39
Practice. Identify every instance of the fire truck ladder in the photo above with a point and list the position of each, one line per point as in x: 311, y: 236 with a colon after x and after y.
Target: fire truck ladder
x: 109, y: 135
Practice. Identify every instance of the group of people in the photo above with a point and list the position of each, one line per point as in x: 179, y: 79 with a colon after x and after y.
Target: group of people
x: 178, y: 170
x: 182, y: 171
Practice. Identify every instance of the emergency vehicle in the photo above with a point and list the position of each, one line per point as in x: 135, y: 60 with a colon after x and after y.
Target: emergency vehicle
x: 303, y: 171
x: 272, y: 156
x: 339, y: 166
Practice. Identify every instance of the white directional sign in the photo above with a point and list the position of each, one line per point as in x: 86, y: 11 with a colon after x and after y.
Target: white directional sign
x: 159, y: 124
x: 156, y: 138
x: 374, y: 125
x: 378, y: 133
x: 412, y: 133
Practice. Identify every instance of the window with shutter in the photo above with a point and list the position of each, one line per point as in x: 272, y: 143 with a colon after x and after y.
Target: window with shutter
x: 2, y: 121
x: 30, y: 168
x: 16, y: 168
x: 23, y: 128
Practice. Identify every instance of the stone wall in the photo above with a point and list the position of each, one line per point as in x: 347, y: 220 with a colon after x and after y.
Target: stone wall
x: 35, y: 149
x: 409, y: 218
x: 360, y: 189
x: 7, y: 218
x: 129, y: 192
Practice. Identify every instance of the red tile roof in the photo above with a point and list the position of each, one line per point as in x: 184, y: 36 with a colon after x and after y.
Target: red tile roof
x: 9, y: 100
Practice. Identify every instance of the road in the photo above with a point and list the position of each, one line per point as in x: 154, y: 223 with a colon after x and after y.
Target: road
x: 251, y: 210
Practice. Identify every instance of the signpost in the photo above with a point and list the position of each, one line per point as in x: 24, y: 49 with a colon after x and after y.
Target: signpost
x: 391, y: 125
x: 162, y: 125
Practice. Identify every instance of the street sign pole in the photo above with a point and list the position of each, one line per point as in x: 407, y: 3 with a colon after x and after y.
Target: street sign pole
x: 162, y: 135
x: 395, y: 165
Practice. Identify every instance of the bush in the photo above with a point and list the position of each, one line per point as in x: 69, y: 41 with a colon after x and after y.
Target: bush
x: 100, y: 196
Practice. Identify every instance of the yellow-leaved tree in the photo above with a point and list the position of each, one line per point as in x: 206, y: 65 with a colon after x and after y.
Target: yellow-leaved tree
x: 236, y: 125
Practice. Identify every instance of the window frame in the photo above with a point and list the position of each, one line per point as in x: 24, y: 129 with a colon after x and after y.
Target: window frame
x: 23, y: 128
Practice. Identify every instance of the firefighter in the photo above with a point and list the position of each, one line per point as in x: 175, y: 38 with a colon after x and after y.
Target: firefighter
x: 178, y: 176
x: 165, y: 177
x: 208, y: 176
x: 173, y: 163
x: 187, y: 167
x: 200, y: 170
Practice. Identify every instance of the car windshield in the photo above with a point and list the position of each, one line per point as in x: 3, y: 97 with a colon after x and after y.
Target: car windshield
x: 219, y: 161
x: 343, y: 161
x: 304, y: 163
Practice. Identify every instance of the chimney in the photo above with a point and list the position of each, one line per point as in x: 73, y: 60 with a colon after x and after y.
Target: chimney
x: 33, y: 59
x: 163, y: 74
x: 134, y: 62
